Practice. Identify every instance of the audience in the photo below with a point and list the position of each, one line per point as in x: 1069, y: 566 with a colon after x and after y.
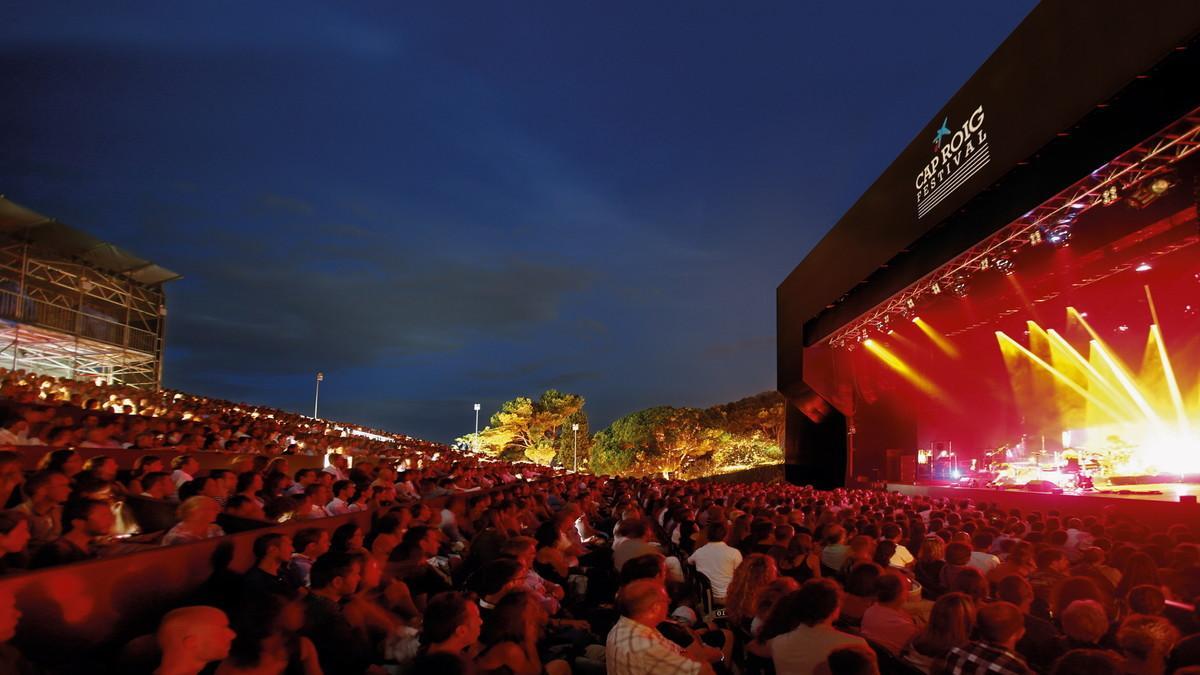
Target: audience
x: 803, y: 581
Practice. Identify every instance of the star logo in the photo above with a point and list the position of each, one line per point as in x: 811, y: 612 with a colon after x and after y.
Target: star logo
x: 942, y: 132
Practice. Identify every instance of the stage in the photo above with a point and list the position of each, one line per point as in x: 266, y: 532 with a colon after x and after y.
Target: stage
x: 1160, y: 510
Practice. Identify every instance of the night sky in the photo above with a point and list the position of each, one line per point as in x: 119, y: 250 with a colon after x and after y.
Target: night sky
x: 443, y: 203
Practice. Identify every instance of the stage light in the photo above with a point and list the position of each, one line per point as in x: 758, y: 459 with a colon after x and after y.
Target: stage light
x: 1005, y: 265
x: 960, y: 288
x: 1147, y: 193
x: 911, y: 303
x: 1143, y: 267
x: 916, y: 319
x: 1059, y: 235
x: 1122, y: 328
x: 1110, y: 195
x: 1035, y: 237
x: 936, y: 288
x: 1078, y: 205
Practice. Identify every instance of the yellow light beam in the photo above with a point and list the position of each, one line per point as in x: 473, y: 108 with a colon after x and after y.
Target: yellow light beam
x: 937, y: 338
x: 1126, y: 382
x: 1004, y: 338
x: 906, y: 371
x: 1091, y: 370
x: 1172, y: 385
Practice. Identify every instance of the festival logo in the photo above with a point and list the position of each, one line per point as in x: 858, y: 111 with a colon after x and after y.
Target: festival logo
x: 958, y: 154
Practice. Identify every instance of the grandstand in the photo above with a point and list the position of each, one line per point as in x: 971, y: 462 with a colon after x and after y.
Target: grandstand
x: 74, y: 306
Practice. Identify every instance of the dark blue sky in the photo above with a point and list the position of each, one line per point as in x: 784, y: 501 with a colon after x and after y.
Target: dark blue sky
x: 442, y: 203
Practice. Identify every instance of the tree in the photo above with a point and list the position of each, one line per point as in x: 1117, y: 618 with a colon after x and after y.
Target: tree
x: 687, y: 442
x: 526, y: 429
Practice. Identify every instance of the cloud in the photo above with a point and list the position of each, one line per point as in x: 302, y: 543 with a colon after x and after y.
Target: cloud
x: 292, y: 301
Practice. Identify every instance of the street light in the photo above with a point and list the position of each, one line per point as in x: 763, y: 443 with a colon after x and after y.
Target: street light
x: 317, y: 398
x: 575, y: 444
x: 476, y: 448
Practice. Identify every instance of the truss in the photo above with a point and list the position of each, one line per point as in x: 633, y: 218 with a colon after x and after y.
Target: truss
x: 69, y: 319
x: 1136, y: 168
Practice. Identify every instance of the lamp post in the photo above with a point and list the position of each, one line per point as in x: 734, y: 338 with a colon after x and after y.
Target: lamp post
x: 575, y: 444
x: 476, y: 444
x: 317, y: 398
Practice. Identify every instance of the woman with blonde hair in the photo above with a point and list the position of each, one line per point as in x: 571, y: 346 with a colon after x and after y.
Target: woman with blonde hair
x: 197, y: 520
x: 755, y: 572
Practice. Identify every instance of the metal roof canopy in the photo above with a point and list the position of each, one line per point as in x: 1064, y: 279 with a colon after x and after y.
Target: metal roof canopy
x: 21, y: 223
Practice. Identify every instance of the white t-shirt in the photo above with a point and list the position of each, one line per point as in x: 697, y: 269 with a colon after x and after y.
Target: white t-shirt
x: 983, y: 561
x: 717, y: 561
x: 901, y: 558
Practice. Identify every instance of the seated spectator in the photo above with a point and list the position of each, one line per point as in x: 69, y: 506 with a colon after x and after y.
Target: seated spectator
x: 11, y: 479
x: 1087, y: 662
x: 901, y: 557
x: 981, y: 559
x: 347, y: 538
x: 860, y: 592
x: 268, y: 640
x: 633, y: 540
x: 510, y: 636
x: 834, y: 549
x: 310, y: 543
x: 716, y: 560
x: 451, y: 624
x: 951, y: 623
x: 766, y: 600
x: 343, y: 492
x: 1085, y: 623
x: 815, y: 608
x: 750, y: 577
x: 1139, y: 569
x: 190, y: 638
x: 972, y: 582
x: 197, y: 521
x: 11, y: 660
x: 1020, y: 562
x: 242, y: 506
x: 1042, y: 642
x: 143, y: 466
x: 46, y: 491
x: 83, y: 521
x: 267, y: 576
x: 412, y: 563
x: 65, y: 461
x: 634, y: 646
x: 1146, y: 641
x: 886, y: 622
x: 340, y: 649
x: 183, y: 469
x: 14, y: 538
x: 931, y: 558
x: 1052, y: 569
x: 851, y: 661
x: 801, y: 563
x: 158, y: 485
x: 1000, y: 628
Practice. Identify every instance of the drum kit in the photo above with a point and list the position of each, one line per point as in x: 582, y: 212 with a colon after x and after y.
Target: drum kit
x: 1071, y: 469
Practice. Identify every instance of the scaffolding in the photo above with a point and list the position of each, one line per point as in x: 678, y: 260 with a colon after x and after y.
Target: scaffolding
x: 76, y: 307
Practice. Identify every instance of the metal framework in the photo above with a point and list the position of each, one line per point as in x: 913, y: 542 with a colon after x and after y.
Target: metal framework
x: 1124, y: 177
x: 71, y: 319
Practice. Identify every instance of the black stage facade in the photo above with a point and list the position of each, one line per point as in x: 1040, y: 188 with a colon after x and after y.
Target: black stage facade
x: 1016, y: 298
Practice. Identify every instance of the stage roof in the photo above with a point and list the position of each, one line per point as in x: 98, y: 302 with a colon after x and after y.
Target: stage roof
x: 1072, y: 87
x: 21, y: 223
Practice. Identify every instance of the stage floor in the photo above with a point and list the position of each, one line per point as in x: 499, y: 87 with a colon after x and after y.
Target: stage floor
x: 1139, y: 502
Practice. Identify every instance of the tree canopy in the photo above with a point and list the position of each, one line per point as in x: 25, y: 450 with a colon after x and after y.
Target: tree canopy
x: 538, y: 431
x: 690, y: 442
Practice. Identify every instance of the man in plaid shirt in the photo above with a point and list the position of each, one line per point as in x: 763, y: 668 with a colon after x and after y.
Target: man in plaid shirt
x: 635, y: 647
x: 1001, y: 625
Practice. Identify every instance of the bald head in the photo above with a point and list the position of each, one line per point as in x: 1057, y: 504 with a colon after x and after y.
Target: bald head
x: 644, y: 600
x: 195, y: 635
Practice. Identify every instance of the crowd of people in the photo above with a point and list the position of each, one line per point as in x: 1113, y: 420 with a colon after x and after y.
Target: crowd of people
x: 467, y: 566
